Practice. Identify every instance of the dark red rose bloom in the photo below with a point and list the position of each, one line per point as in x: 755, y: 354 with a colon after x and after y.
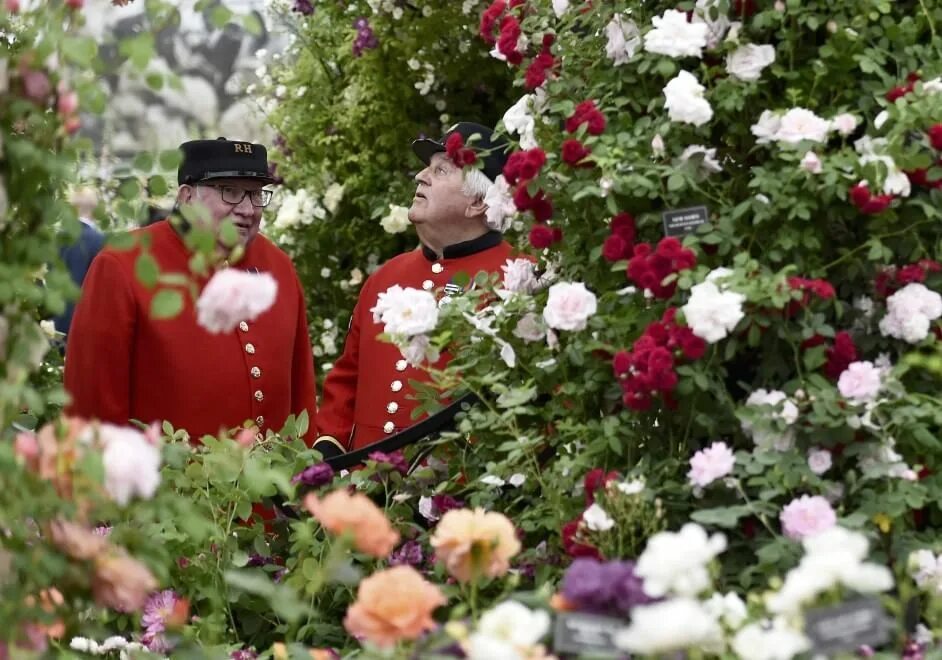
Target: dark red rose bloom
x: 541, y: 236
x: 574, y: 152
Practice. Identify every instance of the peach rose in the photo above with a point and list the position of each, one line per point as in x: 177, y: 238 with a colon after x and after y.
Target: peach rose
x: 475, y: 543
x: 76, y: 541
x: 393, y: 605
x: 341, y: 512
x: 122, y: 583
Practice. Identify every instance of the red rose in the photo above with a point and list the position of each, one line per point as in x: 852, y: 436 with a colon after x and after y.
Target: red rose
x: 594, y: 479
x: 621, y: 363
x: 543, y: 209
x: 614, y: 248
x: 623, y: 224
x: 586, y: 113
x: 541, y: 236
x: 935, y: 136
x: 573, y: 547
x: 840, y: 355
x: 509, y: 37
x: 489, y: 20
x: 574, y: 152
x: 453, y: 146
x: 859, y: 195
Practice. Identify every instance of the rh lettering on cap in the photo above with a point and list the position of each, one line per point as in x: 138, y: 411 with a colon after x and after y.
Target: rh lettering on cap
x: 243, y: 148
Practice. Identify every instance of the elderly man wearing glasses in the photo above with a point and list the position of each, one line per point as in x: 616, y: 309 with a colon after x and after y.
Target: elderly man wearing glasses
x: 123, y: 364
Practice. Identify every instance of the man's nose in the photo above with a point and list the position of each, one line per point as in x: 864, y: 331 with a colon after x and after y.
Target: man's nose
x: 420, y: 176
x: 244, y: 207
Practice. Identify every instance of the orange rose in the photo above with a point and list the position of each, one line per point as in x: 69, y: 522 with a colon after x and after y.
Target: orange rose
x: 475, y: 543
x: 393, y: 605
x: 341, y: 512
x: 122, y: 583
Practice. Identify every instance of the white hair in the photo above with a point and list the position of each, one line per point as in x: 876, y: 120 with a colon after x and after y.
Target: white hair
x: 476, y: 184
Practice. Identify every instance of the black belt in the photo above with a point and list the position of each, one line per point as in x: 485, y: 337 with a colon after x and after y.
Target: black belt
x: 440, y: 421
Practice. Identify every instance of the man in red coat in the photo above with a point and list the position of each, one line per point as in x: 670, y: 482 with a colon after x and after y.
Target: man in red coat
x: 366, y: 396
x: 123, y: 365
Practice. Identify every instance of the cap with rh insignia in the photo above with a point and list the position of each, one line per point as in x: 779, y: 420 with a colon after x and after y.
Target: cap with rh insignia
x: 491, y: 149
x: 223, y: 159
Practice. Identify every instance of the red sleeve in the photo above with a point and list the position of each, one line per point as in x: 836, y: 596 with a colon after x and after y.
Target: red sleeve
x: 303, y: 384
x: 338, y: 400
x: 99, y: 344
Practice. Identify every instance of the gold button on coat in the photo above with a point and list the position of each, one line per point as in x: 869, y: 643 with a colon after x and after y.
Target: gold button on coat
x: 256, y: 372
x: 389, y: 427
x: 437, y: 268
x: 396, y: 385
x: 259, y: 395
x: 428, y: 284
x: 401, y: 365
x: 260, y: 420
x: 250, y: 349
x: 392, y: 407
x: 243, y: 326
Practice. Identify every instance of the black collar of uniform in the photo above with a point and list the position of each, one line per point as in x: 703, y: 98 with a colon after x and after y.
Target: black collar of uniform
x: 491, y: 239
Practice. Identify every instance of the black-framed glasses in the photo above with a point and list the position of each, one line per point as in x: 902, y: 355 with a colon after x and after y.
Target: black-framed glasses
x: 234, y: 195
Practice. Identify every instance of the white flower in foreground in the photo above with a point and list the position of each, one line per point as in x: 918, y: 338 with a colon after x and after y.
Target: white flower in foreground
x: 844, y: 124
x: 673, y: 625
x: 84, y: 645
x: 507, y: 354
x: 517, y: 479
x: 767, y: 127
x: 675, y: 37
x: 597, y: 519
x: 419, y: 349
x: 729, y: 608
x: 500, y: 205
x: 710, y: 464
x: 860, y: 382
x: 406, y: 311
x: 933, y: 86
x: 684, y: 101
x: 632, y: 487
x: 776, y: 641
x: 747, y: 62
x: 657, y: 145
x: 232, y: 296
x: 833, y: 557
x: 520, y: 276
x: 819, y: 461
x: 925, y: 568
x: 910, y: 312
x: 396, y: 221
x: 811, y: 163
x: 492, y: 480
x: 624, y: 40
x: 131, y: 462
x: 569, y: 306
x: 676, y: 562
x: 519, y: 119
x: 895, y: 181
x: 332, y: 196
x: 713, y: 313
x: 799, y: 124
x: 507, y: 631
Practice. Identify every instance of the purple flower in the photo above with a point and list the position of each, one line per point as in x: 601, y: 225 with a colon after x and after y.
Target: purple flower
x: 361, y: 24
x: 395, y: 460
x: 158, y: 608
x: 303, y: 7
x: 156, y: 643
x: 243, y: 654
x: 102, y: 530
x: 409, y: 553
x: 445, y: 503
x: 603, y: 587
x: 256, y: 560
x: 316, y: 475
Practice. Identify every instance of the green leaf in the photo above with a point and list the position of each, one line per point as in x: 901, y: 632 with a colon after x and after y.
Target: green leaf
x: 144, y: 162
x: 676, y: 181
x: 169, y: 159
x: 252, y: 24
x: 155, y: 81
x: 228, y: 234
x: 138, y: 49
x: 130, y: 189
x: 219, y: 16
x: 281, y: 598
x: 727, y: 517
x: 123, y: 241
x: 146, y: 270
x: 166, y: 304
x: 157, y: 186
x: 80, y: 50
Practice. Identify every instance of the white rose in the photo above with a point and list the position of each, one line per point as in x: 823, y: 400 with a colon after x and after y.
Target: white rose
x: 708, y: 161
x: 332, y: 196
x: 747, y: 62
x: 657, y: 145
x: 685, y: 102
x: 767, y: 127
x: 406, y: 311
x: 799, y: 124
x: 844, y: 123
x: 560, y: 7
x: 677, y: 562
x: 397, y: 220
x: 711, y: 313
x: 624, y: 40
x: 811, y: 163
x: 233, y: 296
x: 520, y: 276
x: 132, y: 464
x: 519, y: 119
x: 569, y: 306
x: 775, y: 642
x: 500, y: 205
x: 675, y: 37
x: 819, y: 460
x: 597, y: 519
x: 530, y: 328
x: 673, y: 625
x: 730, y: 608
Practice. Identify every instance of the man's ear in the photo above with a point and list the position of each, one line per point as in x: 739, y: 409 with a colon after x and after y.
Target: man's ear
x: 476, y: 208
x: 185, y: 194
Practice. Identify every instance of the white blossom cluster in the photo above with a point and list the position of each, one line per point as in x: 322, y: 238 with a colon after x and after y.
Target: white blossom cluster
x: 298, y: 208
x: 765, y: 435
x: 910, y: 312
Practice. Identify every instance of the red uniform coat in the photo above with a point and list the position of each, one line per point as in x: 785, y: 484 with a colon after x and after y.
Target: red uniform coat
x: 122, y: 365
x: 366, y: 394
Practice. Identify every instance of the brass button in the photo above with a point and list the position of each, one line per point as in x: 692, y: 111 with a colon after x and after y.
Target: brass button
x: 259, y: 436
x: 259, y: 396
x: 389, y: 427
x: 401, y: 365
x: 437, y: 268
x: 243, y: 326
x: 250, y: 349
x: 428, y: 284
x: 256, y: 372
x: 392, y: 407
x: 396, y: 385
x: 260, y: 420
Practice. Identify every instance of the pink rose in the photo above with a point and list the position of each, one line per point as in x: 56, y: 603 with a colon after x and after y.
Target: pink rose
x: 36, y: 85
x: 710, y: 464
x: 26, y: 446
x: 806, y: 516
x: 233, y: 296
x: 569, y: 306
x: 819, y: 460
x: 860, y: 382
x: 68, y: 102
